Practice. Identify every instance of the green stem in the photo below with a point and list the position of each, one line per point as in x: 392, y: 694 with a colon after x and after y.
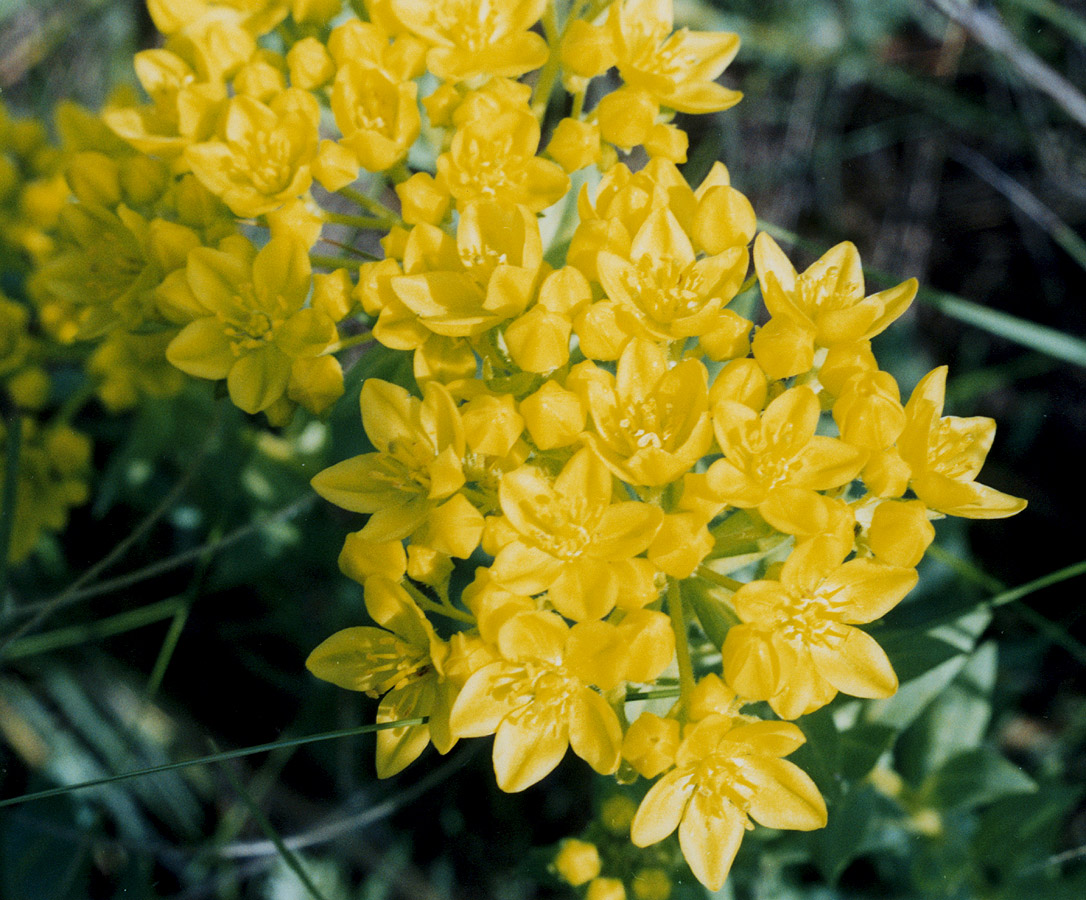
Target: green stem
x: 354, y: 340
x: 657, y: 694
x: 578, y: 105
x: 682, y: 643
x: 376, y: 207
x: 13, y: 452
x: 75, y: 403
x: 441, y: 609
x: 74, y: 635
x: 332, y: 262
x: 363, y: 223
x: 1037, y: 584
x: 545, y: 85
x: 265, y: 825
x: 208, y: 760
x: 719, y: 580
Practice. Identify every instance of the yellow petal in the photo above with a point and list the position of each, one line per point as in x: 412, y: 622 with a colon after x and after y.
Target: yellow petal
x: 527, y: 751
x: 857, y: 666
x: 594, y: 732
x: 483, y: 701
x: 357, y: 658
x: 785, y: 796
x: 534, y: 636
x: 397, y: 748
x: 750, y: 666
x: 202, y: 349
x: 259, y: 378
x: 865, y: 590
x: 710, y: 835
x: 661, y: 809
x: 768, y: 738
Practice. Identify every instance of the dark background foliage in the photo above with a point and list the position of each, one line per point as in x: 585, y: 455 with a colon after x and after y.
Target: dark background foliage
x: 917, y: 137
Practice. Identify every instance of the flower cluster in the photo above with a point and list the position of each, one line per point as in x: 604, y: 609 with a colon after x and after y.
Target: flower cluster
x: 597, y: 434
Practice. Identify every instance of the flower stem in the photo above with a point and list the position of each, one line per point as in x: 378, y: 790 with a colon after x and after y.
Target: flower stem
x: 549, y: 75
x: 719, y: 580
x: 376, y: 207
x: 682, y: 642
x: 363, y: 223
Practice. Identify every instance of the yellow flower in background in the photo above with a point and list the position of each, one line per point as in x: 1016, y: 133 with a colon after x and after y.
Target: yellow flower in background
x: 256, y: 327
x: 263, y: 157
x: 54, y: 466
x: 797, y: 647
x: 418, y: 463
x: 652, y: 422
x: 946, y: 453
x: 566, y: 536
x: 537, y: 705
x: 132, y: 366
x: 400, y: 662
x: 678, y: 70
x: 727, y: 772
x: 469, y: 38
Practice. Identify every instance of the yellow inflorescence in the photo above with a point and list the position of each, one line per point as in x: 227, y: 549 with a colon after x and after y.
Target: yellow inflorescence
x: 594, y: 425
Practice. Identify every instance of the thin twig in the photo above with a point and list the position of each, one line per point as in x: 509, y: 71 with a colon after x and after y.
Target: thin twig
x: 172, y: 562
x: 335, y: 828
x: 988, y: 30
x: 208, y: 760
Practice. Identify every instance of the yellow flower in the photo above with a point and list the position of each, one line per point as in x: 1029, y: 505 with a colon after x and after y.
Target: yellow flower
x: 796, y: 646
x: 536, y: 705
x: 492, y: 156
x: 728, y: 771
x: 777, y: 450
x: 465, y: 288
x: 946, y: 453
x: 131, y: 366
x: 476, y: 37
x: 652, y: 422
x: 418, y: 463
x: 263, y: 157
x: 679, y: 70
x: 662, y: 292
x: 826, y: 303
x: 577, y: 861
x: 53, y: 470
x: 567, y: 538
x: 378, y: 116
x: 401, y: 662
x: 256, y: 326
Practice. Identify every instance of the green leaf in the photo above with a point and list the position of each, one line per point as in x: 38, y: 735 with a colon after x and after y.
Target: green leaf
x: 714, y: 616
x: 1017, y: 831
x: 849, y: 831
x: 955, y: 722
x: 861, y: 746
x: 820, y: 756
x: 975, y: 778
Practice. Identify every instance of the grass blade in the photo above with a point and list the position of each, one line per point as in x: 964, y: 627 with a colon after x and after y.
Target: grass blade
x: 210, y: 759
x: 72, y: 635
x: 288, y: 856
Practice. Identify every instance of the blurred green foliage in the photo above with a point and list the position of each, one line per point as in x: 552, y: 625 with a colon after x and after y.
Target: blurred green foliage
x: 879, y: 122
